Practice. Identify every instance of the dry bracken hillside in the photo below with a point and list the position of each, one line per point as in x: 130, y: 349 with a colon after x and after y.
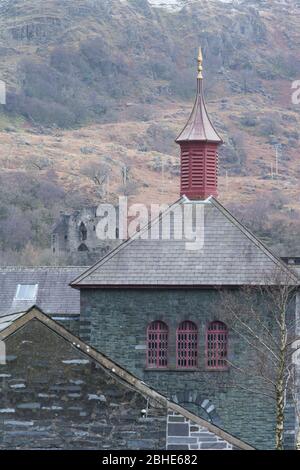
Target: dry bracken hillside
x: 98, y: 86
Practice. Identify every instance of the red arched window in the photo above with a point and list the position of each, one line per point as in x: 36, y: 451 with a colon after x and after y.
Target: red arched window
x: 216, y: 345
x: 187, y: 345
x: 157, y: 345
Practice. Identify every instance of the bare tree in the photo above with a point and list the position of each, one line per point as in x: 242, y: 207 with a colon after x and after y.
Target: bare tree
x: 99, y: 174
x: 264, y: 318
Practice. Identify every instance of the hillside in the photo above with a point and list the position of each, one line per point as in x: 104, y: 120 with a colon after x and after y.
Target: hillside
x: 99, y: 85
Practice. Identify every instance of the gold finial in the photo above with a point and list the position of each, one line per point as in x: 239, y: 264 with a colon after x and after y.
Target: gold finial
x: 200, y: 61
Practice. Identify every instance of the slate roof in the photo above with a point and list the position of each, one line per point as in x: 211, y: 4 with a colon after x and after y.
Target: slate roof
x: 54, y: 295
x: 112, y: 368
x: 231, y: 256
x: 7, y: 320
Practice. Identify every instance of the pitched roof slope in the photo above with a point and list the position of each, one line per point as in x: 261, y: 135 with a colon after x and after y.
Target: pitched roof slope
x: 53, y: 294
x: 231, y: 255
x: 19, y: 321
x: 7, y: 320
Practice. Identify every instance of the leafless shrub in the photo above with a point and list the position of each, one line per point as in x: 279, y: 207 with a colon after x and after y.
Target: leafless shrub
x: 263, y: 317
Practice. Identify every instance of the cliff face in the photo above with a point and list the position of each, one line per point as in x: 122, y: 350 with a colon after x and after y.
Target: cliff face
x: 117, y: 41
x: 90, y: 63
x: 68, y: 64
x: 148, y: 37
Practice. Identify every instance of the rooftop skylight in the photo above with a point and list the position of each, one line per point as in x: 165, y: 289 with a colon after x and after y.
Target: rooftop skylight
x: 26, y: 292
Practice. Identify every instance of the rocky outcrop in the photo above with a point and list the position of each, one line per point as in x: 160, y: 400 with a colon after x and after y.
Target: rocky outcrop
x: 38, y: 30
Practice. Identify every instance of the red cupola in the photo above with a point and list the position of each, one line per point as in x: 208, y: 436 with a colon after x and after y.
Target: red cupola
x: 199, y: 143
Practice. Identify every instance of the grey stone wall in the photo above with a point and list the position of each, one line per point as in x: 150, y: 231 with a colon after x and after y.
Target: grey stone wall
x: 70, y: 323
x: 187, y: 435
x: 53, y: 397
x: 67, y: 236
x: 115, y: 322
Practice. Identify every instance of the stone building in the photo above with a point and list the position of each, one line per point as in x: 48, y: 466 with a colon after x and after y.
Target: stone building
x: 59, y: 393
x: 75, y: 234
x: 153, y: 305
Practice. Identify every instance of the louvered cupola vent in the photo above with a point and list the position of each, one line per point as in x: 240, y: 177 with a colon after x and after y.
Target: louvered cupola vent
x: 199, y: 143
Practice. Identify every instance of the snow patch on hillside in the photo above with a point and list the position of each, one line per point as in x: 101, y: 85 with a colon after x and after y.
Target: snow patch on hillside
x: 169, y: 4
x: 176, y: 5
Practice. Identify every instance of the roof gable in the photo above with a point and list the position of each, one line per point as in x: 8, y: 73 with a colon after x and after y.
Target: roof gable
x: 231, y: 256
x: 18, y: 321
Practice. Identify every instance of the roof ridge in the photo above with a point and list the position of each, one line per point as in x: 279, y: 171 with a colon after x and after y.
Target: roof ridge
x: 40, y: 267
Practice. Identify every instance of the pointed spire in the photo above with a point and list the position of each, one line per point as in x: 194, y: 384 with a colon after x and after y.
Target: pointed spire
x: 199, y: 127
x: 200, y: 67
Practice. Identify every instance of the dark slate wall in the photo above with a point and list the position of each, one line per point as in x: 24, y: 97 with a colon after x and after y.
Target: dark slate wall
x: 186, y: 435
x: 71, y: 323
x: 52, y: 396
x: 115, y: 322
